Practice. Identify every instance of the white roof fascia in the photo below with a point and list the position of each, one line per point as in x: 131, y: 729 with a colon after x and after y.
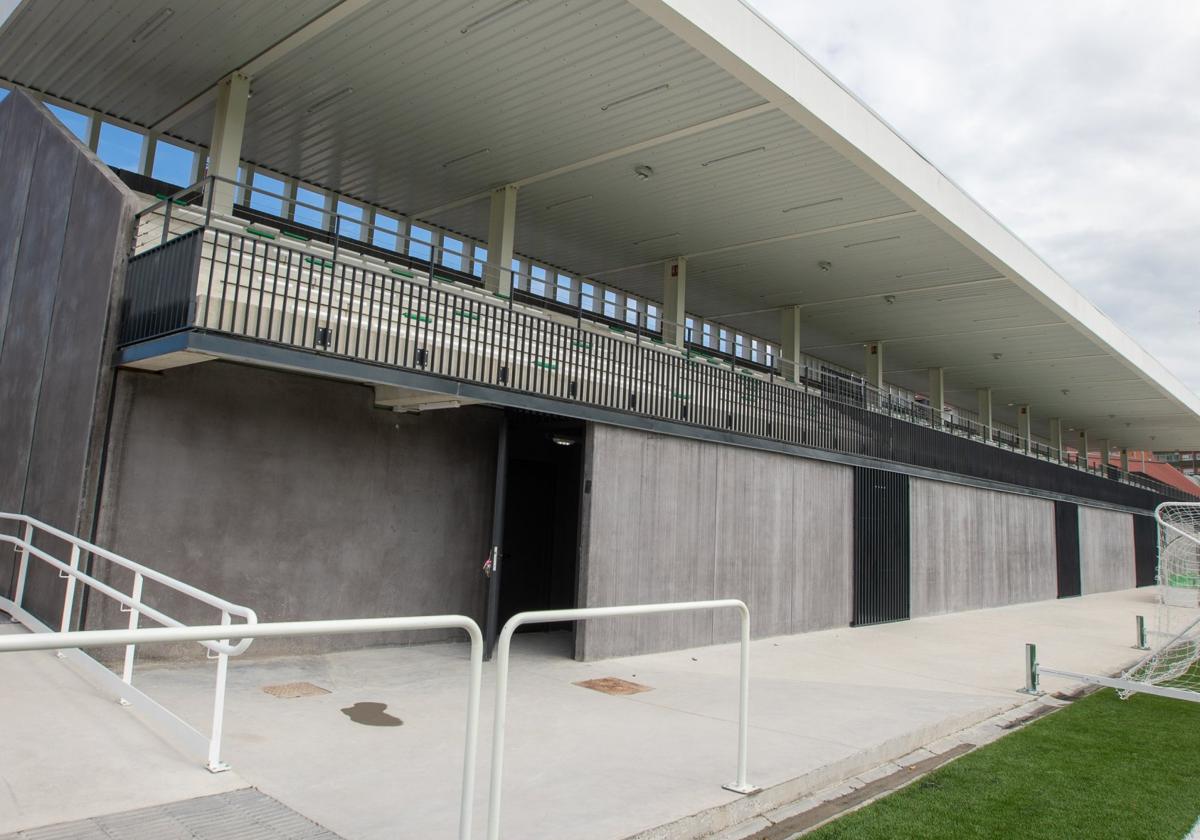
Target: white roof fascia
x: 752, y: 50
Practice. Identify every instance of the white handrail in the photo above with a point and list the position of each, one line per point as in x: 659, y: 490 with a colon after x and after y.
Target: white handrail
x: 548, y: 616
x: 98, y: 638
x: 136, y: 607
x: 138, y: 568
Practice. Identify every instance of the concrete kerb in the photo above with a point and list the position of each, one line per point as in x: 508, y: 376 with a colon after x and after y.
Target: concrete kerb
x: 748, y: 808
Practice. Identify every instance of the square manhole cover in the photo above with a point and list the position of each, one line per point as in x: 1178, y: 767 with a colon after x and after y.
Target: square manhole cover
x: 289, y: 691
x: 614, y: 685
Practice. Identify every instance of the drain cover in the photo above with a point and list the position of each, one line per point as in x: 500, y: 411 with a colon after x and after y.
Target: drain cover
x: 614, y: 685
x: 289, y: 691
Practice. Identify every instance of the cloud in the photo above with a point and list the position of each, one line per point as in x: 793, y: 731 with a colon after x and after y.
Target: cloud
x: 1075, y: 123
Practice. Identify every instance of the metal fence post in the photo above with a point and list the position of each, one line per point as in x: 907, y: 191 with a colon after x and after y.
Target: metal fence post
x: 134, y: 615
x: 22, y: 572
x: 1141, y: 634
x: 1031, y: 671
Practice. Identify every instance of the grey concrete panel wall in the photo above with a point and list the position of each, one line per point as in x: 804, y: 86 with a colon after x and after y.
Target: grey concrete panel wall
x: 295, y: 496
x: 1106, y: 550
x: 65, y: 221
x: 670, y: 519
x: 973, y: 548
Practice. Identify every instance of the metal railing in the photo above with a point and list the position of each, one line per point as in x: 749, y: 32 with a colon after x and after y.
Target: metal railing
x: 740, y: 785
x: 132, y: 603
x: 241, y: 278
x: 247, y: 632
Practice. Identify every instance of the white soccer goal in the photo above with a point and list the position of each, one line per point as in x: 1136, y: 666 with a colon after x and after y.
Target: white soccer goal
x: 1175, y: 645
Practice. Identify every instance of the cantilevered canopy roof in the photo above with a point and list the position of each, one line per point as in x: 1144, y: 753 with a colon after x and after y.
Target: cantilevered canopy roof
x: 764, y: 168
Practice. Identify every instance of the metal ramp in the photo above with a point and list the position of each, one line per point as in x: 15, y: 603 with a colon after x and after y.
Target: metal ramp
x: 241, y: 815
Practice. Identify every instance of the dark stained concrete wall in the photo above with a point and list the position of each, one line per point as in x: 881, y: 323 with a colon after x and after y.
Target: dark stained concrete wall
x: 65, y: 222
x: 975, y: 548
x: 294, y: 496
x: 670, y: 519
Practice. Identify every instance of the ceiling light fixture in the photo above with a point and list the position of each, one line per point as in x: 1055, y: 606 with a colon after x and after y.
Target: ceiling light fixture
x: 329, y: 100
x: 565, y: 201
x: 889, y: 298
x: 871, y: 241
x: 812, y: 204
x: 484, y: 151
x: 643, y: 172
x: 563, y: 440
x: 633, y: 96
x: 152, y: 25
x: 656, y: 238
x: 824, y: 265
x: 742, y: 153
x: 494, y: 15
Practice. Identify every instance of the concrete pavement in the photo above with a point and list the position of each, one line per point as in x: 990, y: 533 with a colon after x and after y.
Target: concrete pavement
x: 581, y: 764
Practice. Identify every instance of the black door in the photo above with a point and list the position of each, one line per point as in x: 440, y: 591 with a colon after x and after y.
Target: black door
x: 1145, y: 550
x: 540, y: 546
x: 1066, y: 547
x: 881, y: 546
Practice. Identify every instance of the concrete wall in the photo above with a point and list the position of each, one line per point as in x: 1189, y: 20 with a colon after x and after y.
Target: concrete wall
x: 1106, y: 551
x: 976, y: 548
x: 295, y: 496
x: 669, y: 519
x: 65, y: 222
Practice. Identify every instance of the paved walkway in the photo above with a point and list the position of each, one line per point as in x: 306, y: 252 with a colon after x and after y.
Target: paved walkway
x: 580, y: 764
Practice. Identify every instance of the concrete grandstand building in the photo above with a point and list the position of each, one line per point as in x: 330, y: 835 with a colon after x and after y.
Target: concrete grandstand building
x: 374, y: 308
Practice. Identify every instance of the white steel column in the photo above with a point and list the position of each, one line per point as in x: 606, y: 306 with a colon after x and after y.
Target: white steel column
x: 1124, y: 460
x: 985, y: 412
x: 502, y: 225
x: 874, y: 366
x: 1024, y: 416
x: 1056, y: 437
x: 1083, y: 447
x: 789, y: 343
x: 1105, y: 452
x: 674, y: 325
x: 937, y: 395
x: 225, y: 150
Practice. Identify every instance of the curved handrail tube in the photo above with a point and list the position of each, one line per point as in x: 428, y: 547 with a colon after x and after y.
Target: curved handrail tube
x: 548, y: 616
x: 225, y: 632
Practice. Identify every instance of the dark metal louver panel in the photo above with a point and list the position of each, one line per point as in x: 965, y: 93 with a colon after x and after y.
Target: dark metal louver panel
x: 881, y: 547
x: 1066, y: 547
x: 1145, y: 550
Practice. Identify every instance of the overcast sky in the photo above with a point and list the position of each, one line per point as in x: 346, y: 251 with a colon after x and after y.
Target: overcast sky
x: 1077, y: 124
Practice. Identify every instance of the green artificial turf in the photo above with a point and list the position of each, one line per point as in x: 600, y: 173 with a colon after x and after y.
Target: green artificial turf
x: 1101, y: 768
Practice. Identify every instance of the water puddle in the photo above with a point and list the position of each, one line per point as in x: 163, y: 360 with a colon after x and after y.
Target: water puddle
x: 371, y: 714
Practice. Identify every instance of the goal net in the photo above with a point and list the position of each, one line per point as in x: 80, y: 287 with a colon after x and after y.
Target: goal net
x: 1175, y: 642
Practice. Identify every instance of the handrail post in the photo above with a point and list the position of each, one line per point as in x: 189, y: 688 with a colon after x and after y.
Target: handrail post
x: 134, y: 615
x: 23, y: 570
x: 215, y: 765
x: 741, y: 785
x: 69, y: 597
